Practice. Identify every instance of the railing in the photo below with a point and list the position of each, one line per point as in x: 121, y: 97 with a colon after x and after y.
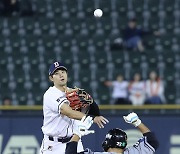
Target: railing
x: 102, y: 107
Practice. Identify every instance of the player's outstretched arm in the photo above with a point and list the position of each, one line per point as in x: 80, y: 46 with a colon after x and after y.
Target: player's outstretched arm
x: 67, y: 110
x: 133, y: 118
x: 143, y: 128
x: 98, y: 119
x: 79, y: 99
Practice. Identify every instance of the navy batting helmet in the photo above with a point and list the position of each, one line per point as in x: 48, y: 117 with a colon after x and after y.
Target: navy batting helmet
x: 115, y: 138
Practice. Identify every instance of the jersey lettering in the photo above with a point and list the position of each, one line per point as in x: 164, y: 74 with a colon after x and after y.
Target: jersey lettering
x: 138, y: 142
x: 58, y: 100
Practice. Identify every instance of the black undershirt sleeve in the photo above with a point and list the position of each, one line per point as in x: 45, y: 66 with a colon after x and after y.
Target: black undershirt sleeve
x: 71, y: 148
x: 94, y: 109
x: 151, y: 139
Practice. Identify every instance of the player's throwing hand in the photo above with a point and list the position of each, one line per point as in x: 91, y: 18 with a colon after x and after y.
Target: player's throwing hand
x: 100, y: 121
x: 81, y: 127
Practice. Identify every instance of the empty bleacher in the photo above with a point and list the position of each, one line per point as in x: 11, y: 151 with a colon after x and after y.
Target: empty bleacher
x: 67, y: 31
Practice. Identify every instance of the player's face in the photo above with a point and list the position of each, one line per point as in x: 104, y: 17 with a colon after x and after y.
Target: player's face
x: 60, y: 78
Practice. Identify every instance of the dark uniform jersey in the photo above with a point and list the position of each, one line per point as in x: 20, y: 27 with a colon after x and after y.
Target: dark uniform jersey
x: 146, y: 145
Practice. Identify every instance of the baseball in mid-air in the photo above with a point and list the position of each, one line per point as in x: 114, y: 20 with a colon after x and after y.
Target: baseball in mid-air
x: 98, y: 13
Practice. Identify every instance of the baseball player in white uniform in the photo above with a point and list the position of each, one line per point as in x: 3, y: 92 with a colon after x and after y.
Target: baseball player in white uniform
x: 58, y: 115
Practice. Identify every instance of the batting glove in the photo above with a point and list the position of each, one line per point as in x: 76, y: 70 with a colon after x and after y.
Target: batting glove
x: 132, y: 118
x: 81, y: 127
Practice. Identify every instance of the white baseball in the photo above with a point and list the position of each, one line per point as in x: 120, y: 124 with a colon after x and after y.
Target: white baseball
x: 98, y: 13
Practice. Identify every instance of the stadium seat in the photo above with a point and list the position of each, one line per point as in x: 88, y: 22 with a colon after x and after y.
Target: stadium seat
x: 75, y: 24
x: 72, y: 7
x: 170, y: 93
x: 28, y: 24
x: 88, y: 7
x: 67, y: 31
x: 13, y: 24
x: 4, y: 77
x: 85, y: 78
x: 65, y: 42
x: 40, y: 8
x: 105, y: 5
x: 166, y: 41
x: 175, y: 46
x: 169, y: 6
x: 106, y: 25
x: 91, y: 22
x: 149, y: 42
x: 103, y: 94
x: 169, y: 24
x: 152, y: 59
x: 99, y: 42
x: 102, y: 75
x: 138, y: 7
x: 1, y: 23
x: 135, y: 59
x: 84, y: 60
x: 60, y: 25
x: 44, y: 24
x: 84, y: 30
x: 153, y: 22
x: 82, y: 42
x: 66, y: 58
x: 100, y: 59
x: 169, y: 59
x: 118, y: 59
x: 121, y: 7
x: 153, y: 5
x: 122, y: 22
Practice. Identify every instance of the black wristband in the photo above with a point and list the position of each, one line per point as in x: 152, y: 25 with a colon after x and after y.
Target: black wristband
x: 94, y: 109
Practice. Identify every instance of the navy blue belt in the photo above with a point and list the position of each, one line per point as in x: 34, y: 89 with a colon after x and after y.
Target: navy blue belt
x: 63, y: 139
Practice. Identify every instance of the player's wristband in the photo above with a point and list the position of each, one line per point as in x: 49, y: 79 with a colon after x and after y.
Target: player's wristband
x: 94, y: 109
x: 93, y: 116
x: 137, y: 123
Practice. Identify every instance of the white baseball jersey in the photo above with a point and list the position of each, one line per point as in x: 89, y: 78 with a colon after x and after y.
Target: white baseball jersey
x: 137, y: 88
x: 55, y: 124
x: 154, y: 87
x: 120, y: 89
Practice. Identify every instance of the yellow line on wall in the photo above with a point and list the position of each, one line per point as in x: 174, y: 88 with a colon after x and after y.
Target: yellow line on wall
x: 102, y: 107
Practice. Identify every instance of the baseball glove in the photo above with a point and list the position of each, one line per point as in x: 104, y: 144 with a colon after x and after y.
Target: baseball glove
x: 78, y: 99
